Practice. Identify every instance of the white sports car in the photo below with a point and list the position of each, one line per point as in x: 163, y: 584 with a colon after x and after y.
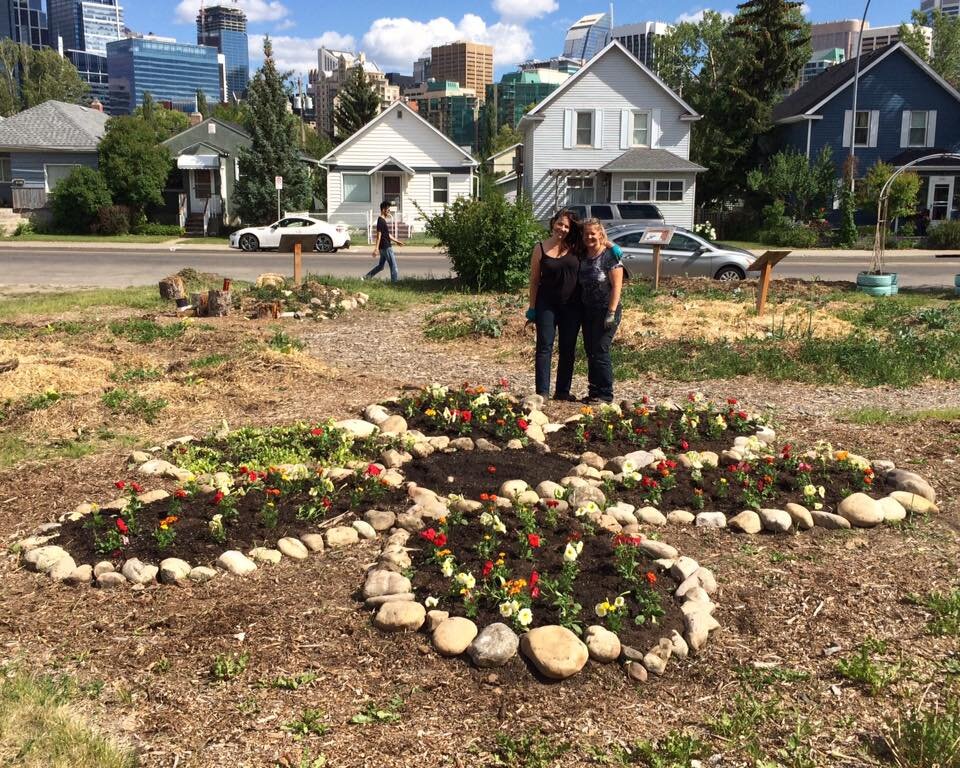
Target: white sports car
x: 330, y: 237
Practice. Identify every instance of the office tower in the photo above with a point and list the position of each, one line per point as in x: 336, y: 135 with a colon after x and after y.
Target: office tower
x: 878, y: 37
x: 820, y: 61
x: 948, y: 7
x: 332, y: 73
x: 421, y: 70
x: 448, y: 107
x: 837, y: 34
x: 517, y: 91
x: 172, y: 73
x: 469, y: 64
x: 79, y: 25
x: 587, y: 36
x: 640, y: 39
x: 557, y: 63
x: 25, y: 22
x: 225, y: 28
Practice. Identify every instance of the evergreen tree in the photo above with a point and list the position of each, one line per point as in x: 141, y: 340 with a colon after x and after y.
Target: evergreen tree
x: 202, y: 107
x: 146, y: 109
x: 165, y: 122
x: 274, y: 150
x: 234, y: 112
x: 487, y: 130
x: 358, y: 104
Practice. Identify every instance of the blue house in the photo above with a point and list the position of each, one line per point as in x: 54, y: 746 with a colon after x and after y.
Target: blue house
x: 905, y: 111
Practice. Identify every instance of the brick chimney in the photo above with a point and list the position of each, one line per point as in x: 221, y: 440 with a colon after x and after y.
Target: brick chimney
x: 95, y: 104
x: 195, y: 118
x: 413, y: 105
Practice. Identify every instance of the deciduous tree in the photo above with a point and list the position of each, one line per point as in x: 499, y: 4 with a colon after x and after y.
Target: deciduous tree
x: 800, y: 185
x: 134, y: 164
x: 29, y: 77
x: 945, y: 56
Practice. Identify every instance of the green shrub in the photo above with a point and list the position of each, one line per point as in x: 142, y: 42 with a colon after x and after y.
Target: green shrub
x: 158, y: 230
x: 792, y: 234
x: 77, y: 199
x: 945, y: 235
x: 113, y: 220
x: 489, y: 241
x: 24, y: 228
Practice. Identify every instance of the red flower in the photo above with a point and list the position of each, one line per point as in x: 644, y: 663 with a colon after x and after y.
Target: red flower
x: 218, y: 497
x: 487, y: 567
x: 326, y: 502
x: 466, y: 415
x: 122, y: 527
x: 120, y: 484
x: 492, y: 469
x: 484, y: 497
x: 534, y: 592
x: 651, y: 577
x: 684, y: 445
x: 742, y: 414
x: 574, y: 537
x: 523, y: 423
x: 552, y: 503
x: 272, y: 491
x: 180, y: 493
x: 645, y: 399
x: 252, y: 477
x: 440, y: 541
x: 373, y: 470
x: 430, y: 535
x: 731, y: 401
x: 316, y: 431
x: 534, y: 578
x: 244, y: 470
x: 533, y: 540
x: 137, y: 488
x: 503, y: 383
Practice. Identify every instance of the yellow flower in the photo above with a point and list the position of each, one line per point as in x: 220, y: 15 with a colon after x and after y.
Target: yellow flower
x: 842, y: 455
x: 442, y: 521
x: 430, y: 412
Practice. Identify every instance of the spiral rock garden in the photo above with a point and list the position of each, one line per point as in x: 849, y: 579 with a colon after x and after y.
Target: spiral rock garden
x: 500, y: 529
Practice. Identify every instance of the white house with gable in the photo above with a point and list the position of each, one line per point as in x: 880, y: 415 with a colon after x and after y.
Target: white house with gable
x: 397, y: 156
x: 613, y: 132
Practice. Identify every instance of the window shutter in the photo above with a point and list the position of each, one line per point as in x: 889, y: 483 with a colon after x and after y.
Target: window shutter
x: 905, y: 129
x: 874, y: 126
x: 847, y: 127
x: 567, y: 128
x: 655, y: 130
x: 932, y: 128
x: 626, y: 129
x: 598, y: 129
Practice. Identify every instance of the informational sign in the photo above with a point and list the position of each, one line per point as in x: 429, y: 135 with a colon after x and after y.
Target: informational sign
x: 657, y: 235
x: 278, y: 182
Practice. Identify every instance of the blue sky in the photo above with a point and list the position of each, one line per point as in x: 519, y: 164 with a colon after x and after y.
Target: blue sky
x: 395, y: 34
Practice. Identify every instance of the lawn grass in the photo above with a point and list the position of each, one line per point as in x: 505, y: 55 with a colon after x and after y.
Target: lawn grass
x: 872, y: 416
x: 40, y: 729
x: 208, y: 240
x: 140, y: 297
x: 56, y: 238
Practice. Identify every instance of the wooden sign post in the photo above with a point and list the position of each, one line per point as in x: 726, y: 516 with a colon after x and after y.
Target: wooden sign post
x: 656, y: 267
x: 657, y: 237
x: 297, y: 263
x: 295, y: 244
x: 764, y: 265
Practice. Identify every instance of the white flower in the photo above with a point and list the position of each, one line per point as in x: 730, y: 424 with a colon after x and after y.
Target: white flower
x: 436, y: 391
x: 486, y: 519
x: 572, y: 551
x: 498, y: 525
x: 821, y: 491
x: 720, y: 421
x: 619, y: 602
x: 628, y: 467
x: 448, y: 415
x: 601, y: 609
x: 635, y: 476
x: 809, y: 490
x: 506, y: 610
x: 695, y: 461
x: 606, y: 408
x: 587, y: 508
x: 466, y: 580
x: 481, y: 399
x: 431, y: 602
x: 446, y: 567
x: 524, y: 617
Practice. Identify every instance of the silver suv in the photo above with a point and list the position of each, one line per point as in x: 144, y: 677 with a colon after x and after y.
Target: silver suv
x: 618, y: 213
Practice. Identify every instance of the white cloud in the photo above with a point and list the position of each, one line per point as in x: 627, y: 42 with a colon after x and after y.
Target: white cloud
x: 298, y: 54
x: 697, y: 15
x: 395, y: 43
x: 805, y: 9
x: 256, y: 10
x: 524, y: 9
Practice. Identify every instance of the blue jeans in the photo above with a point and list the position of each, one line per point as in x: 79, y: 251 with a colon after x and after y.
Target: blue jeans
x: 560, y: 322
x: 596, y: 343
x: 387, y: 256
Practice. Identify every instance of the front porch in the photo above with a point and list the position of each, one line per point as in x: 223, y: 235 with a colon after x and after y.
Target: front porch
x: 196, y: 187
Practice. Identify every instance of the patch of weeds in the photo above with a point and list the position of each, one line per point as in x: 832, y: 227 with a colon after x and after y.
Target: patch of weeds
x: 950, y: 666
x: 44, y: 400
x: 927, y: 738
x: 310, y: 723
x: 863, y: 670
x: 675, y: 750
x: 294, y: 682
x: 777, y: 557
x: 69, y: 327
x: 161, y: 666
x: 528, y: 750
x: 761, y: 677
x: 228, y: 666
x: 742, y: 720
x: 945, y: 610
x: 796, y: 751
x: 143, y: 331
x: 307, y: 760
x: 282, y: 342
x: 876, y: 416
x: 375, y: 713
x: 122, y: 400
x: 138, y: 374
x: 209, y: 361
x: 463, y: 320
x: 93, y: 689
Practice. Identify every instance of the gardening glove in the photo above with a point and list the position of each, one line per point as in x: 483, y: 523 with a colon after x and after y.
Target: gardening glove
x: 531, y: 315
x: 610, y: 320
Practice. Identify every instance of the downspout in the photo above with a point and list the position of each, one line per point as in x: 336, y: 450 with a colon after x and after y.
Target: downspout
x: 809, y: 131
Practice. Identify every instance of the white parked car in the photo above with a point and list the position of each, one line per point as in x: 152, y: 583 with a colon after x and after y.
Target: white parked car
x: 330, y: 237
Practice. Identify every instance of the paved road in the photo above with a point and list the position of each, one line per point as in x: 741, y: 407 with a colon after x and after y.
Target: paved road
x: 118, y: 267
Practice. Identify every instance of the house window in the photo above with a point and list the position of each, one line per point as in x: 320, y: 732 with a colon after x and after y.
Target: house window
x: 861, y: 129
x: 579, y: 189
x: 356, y: 188
x: 57, y: 173
x: 669, y: 191
x: 918, y: 129
x: 441, y: 189
x: 641, y: 129
x: 5, y: 169
x: 584, y: 129
x: 635, y: 189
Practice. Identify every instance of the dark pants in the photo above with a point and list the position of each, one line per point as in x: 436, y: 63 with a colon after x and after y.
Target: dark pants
x: 387, y: 257
x: 596, y: 343
x: 560, y: 322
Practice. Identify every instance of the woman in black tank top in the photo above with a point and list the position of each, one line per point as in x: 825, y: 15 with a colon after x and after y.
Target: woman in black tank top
x: 554, y: 305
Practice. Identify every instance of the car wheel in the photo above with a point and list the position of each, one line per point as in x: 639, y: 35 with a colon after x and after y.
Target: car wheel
x: 325, y: 244
x: 249, y: 242
x: 729, y: 273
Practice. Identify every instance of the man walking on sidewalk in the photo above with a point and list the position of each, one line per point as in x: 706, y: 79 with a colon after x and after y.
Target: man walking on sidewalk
x: 382, y: 246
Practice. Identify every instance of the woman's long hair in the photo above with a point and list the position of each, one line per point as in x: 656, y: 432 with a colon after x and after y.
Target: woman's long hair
x: 574, y: 234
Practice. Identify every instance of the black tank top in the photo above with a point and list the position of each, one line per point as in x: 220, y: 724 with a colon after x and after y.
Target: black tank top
x: 558, y: 277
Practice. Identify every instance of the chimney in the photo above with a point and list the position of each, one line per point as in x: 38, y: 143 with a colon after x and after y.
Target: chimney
x: 95, y: 104
x: 413, y: 105
x: 195, y: 119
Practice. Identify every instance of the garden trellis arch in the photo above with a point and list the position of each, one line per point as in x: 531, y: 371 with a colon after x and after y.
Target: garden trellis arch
x: 880, y: 239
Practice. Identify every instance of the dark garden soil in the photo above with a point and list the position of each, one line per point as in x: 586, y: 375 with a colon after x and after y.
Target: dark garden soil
x: 194, y: 542
x: 474, y: 472
x: 596, y: 582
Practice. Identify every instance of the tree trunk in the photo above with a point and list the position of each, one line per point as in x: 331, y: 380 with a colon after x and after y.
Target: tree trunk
x: 172, y: 287
x: 218, y: 303
x: 199, y: 302
x: 267, y: 310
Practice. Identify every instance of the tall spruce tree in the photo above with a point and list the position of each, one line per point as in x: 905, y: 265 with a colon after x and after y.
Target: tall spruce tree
x: 274, y: 150
x: 202, y: 107
x: 358, y: 104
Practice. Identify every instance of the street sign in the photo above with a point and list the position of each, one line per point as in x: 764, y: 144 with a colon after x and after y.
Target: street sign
x: 278, y: 182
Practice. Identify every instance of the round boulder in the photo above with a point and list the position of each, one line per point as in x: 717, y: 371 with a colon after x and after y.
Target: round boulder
x: 555, y: 651
x: 494, y: 646
x: 454, y: 636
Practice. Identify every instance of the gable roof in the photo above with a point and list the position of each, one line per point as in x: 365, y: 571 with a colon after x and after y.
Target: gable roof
x: 809, y: 98
x: 511, y: 149
x: 570, y: 81
x: 397, y: 105
x: 645, y: 160
x: 234, y: 127
x: 54, y: 125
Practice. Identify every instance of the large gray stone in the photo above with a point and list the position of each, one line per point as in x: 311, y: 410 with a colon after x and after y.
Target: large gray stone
x: 494, y: 646
x: 137, y: 572
x: 111, y: 580
x: 914, y: 502
x: 602, y: 644
x: 173, y: 569
x: 828, y: 520
x: 380, y: 520
x: 711, y: 520
x: 356, y: 427
x: 800, y: 515
x: 293, y: 548
x: 201, y: 574
x: 63, y: 569
x: 747, y: 521
x: 776, y: 520
x: 380, y: 582
x: 911, y: 482
x: 341, y: 536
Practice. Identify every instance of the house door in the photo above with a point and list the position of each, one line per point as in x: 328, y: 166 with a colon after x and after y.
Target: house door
x: 201, y: 188
x: 940, y: 197
x: 392, y: 186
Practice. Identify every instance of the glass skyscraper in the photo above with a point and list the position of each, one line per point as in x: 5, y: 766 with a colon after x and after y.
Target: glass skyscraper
x: 225, y: 28
x: 25, y: 22
x: 85, y: 26
x: 587, y: 36
x: 171, y: 72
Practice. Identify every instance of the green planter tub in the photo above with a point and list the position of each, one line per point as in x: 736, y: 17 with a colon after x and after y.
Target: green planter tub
x: 885, y: 284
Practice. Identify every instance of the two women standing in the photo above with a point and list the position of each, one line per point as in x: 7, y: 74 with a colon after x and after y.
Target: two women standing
x: 576, y: 279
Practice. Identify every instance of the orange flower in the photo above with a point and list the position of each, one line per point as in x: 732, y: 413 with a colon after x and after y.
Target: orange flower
x: 842, y: 455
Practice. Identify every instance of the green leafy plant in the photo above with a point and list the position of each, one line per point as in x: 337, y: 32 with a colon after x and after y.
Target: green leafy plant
x: 310, y: 723
x: 926, y: 737
x: 944, y: 608
x: 44, y: 400
x: 228, y: 666
x: 526, y: 750
x: 144, y: 331
x: 282, y: 342
x: 862, y: 669
x: 76, y: 201
x: 293, y: 682
x: 376, y: 713
x: 120, y: 400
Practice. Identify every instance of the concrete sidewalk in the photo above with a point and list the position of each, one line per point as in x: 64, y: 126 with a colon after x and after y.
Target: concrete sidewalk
x: 174, y: 245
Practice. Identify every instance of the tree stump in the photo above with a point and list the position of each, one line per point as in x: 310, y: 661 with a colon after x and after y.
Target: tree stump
x: 199, y: 302
x: 267, y: 310
x: 172, y: 287
x: 218, y: 303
